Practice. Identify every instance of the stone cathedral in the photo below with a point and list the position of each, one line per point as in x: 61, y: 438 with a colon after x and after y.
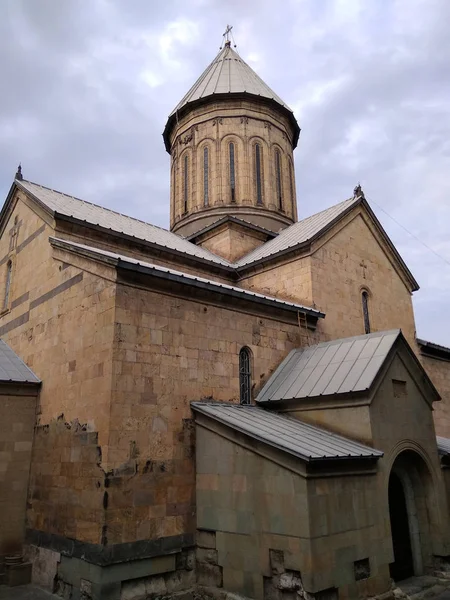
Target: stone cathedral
x: 238, y: 405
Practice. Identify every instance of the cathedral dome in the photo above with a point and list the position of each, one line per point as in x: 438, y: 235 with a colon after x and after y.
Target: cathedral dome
x: 231, y: 140
x: 227, y: 74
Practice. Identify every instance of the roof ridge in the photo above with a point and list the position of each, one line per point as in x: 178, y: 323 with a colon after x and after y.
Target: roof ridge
x: 115, y: 212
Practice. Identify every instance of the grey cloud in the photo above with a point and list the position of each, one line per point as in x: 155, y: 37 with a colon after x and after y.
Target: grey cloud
x: 86, y: 93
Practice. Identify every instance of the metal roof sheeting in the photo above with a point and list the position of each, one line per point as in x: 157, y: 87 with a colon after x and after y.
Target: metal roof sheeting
x: 298, y: 233
x: 228, y: 74
x: 308, y: 442
x: 337, y: 367
x: 69, y: 206
x: 190, y: 278
x: 12, y: 368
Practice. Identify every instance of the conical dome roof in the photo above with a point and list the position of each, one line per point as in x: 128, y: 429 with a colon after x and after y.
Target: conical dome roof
x: 228, y: 74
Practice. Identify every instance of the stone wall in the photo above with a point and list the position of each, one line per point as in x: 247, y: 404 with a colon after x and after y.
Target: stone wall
x: 17, y: 419
x: 439, y: 373
x: 346, y: 261
x: 230, y: 241
x: 168, y: 352
x: 349, y: 262
x: 266, y: 531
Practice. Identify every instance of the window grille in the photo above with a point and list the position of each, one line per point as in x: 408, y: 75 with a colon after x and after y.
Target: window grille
x: 258, y: 174
x: 278, y: 179
x: 365, y: 306
x: 232, y: 172
x: 185, y: 182
x: 245, y: 376
x: 7, y: 284
x: 205, y: 176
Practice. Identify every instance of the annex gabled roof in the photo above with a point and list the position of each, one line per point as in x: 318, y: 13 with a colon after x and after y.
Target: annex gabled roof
x: 69, y: 206
x: 344, y: 366
x: 13, y: 369
x: 226, y: 290
x: 307, y: 442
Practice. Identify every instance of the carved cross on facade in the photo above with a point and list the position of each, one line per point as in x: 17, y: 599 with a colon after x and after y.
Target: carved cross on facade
x: 14, y: 234
x: 364, y: 267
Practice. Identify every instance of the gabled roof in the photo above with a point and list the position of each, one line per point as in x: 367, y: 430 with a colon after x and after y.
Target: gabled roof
x: 62, y: 204
x: 231, y: 219
x: 307, y: 230
x: 344, y: 366
x: 12, y: 368
x: 307, y: 442
x: 299, y: 233
x: 228, y: 74
x: 227, y: 290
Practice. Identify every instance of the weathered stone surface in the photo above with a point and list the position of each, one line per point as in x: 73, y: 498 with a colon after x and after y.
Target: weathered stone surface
x: 209, y: 575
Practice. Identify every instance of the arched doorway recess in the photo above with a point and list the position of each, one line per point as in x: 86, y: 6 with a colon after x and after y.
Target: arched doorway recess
x: 411, y: 501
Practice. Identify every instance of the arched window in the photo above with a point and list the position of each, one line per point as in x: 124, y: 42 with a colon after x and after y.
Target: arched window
x: 205, y: 176
x: 245, y: 376
x: 365, y: 307
x: 7, y: 284
x: 258, y: 152
x: 232, y: 172
x: 278, y: 179
x: 291, y: 184
x: 185, y: 182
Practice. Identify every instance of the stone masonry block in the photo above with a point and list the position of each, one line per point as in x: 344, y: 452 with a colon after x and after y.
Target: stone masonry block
x: 206, y: 539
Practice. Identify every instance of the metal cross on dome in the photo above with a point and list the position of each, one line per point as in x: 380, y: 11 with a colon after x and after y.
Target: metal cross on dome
x: 226, y: 36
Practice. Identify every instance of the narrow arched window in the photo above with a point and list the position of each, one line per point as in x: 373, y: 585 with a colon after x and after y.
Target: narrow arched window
x: 7, y: 284
x: 232, y: 172
x: 278, y: 179
x: 365, y: 307
x: 245, y: 376
x: 258, y: 152
x: 291, y: 184
x: 205, y: 176
x: 185, y: 182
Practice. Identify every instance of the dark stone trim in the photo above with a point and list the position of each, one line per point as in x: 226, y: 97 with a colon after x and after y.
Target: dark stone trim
x: 433, y: 350
x: 5, y: 259
x: 107, y: 555
x: 15, y: 323
x: 62, y: 287
x: 20, y: 300
x: 32, y: 237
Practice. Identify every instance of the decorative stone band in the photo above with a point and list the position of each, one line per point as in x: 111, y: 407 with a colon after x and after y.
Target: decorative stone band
x: 100, y: 555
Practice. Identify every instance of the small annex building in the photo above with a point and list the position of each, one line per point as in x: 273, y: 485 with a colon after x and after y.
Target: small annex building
x: 276, y: 483
x: 239, y: 403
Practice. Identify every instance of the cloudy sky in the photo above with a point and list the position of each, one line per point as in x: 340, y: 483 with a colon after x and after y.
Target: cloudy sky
x: 86, y: 87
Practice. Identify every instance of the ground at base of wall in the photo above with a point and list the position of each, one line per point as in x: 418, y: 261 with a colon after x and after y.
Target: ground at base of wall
x: 426, y: 587
x: 33, y: 592
x: 25, y: 592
